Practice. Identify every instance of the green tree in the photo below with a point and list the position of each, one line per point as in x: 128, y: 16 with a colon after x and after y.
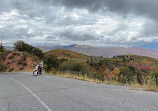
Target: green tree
x: 22, y: 46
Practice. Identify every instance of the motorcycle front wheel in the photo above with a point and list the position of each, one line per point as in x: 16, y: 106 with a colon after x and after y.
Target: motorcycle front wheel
x: 35, y: 73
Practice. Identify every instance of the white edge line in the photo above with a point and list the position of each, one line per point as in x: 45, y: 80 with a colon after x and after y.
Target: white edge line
x: 46, y: 107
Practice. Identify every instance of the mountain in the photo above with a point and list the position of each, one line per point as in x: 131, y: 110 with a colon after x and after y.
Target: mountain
x: 105, y: 52
x: 48, y: 48
x: 114, y: 51
x: 150, y: 46
x: 9, y: 47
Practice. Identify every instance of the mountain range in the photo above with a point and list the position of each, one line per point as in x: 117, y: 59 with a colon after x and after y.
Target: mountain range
x: 146, y: 50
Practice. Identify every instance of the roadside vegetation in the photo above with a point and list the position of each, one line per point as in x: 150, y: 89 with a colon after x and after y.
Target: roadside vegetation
x: 131, y: 70
x: 128, y: 70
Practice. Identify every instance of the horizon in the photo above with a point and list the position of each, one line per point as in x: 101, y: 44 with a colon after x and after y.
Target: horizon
x: 143, y: 46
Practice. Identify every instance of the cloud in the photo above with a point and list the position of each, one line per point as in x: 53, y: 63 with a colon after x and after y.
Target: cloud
x: 103, y: 22
x: 146, y: 8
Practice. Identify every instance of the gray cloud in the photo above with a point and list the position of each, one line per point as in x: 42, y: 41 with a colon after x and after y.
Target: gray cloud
x: 142, y: 7
x: 146, y: 8
x: 100, y: 21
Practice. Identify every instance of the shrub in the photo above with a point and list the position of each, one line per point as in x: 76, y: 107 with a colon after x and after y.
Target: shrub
x: 2, y: 68
x: 12, y: 69
x: 24, y: 64
x: 11, y: 57
x: 115, y: 74
x: 20, y: 62
x: 155, y: 74
x: 8, y: 63
x: 127, y: 74
x: 21, y: 68
x: 16, y: 54
x: 24, y: 57
x: 3, y: 55
x: 74, y: 67
x: 51, y: 62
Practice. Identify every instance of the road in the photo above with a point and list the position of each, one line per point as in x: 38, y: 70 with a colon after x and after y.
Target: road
x: 24, y: 92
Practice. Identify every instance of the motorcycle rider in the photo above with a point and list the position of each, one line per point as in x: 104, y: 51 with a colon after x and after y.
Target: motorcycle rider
x: 39, y: 68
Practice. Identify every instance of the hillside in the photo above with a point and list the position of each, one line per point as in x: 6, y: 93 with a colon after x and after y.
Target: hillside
x: 61, y: 53
x: 123, y: 68
x: 18, y: 61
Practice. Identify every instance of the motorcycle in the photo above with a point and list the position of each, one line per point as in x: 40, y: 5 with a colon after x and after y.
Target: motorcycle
x: 37, y: 72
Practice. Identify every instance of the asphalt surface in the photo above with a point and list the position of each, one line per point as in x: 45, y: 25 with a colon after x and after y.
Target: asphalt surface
x: 24, y: 92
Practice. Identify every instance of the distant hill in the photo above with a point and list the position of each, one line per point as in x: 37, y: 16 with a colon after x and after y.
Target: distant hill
x: 62, y: 53
x: 48, y: 48
x: 111, y: 51
x: 114, y: 51
x: 9, y: 47
x: 105, y: 52
x: 150, y: 46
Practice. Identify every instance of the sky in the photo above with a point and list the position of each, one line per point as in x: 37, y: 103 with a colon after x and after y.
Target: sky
x: 101, y: 23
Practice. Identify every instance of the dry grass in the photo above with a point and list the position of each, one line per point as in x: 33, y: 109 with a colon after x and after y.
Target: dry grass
x: 68, y: 75
x: 134, y: 86
x: 151, y: 86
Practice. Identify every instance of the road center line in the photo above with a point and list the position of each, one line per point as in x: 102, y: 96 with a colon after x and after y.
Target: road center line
x: 46, y: 107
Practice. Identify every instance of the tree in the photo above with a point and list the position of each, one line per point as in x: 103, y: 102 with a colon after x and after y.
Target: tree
x: 2, y: 49
x: 22, y: 46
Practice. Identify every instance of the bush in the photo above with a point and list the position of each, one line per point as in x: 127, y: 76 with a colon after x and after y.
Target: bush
x: 2, y: 68
x: 21, y: 68
x: 16, y: 54
x: 74, y: 67
x: 128, y: 74
x: 3, y: 55
x: 8, y: 63
x: 51, y: 62
x: 155, y: 74
x: 22, y: 47
x: 12, y: 69
x: 24, y: 64
x: 24, y: 57
x: 20, y: 62
x: 11, y: 57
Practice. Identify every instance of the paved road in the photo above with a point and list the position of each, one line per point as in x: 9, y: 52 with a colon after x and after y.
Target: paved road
x: 23, y: 92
